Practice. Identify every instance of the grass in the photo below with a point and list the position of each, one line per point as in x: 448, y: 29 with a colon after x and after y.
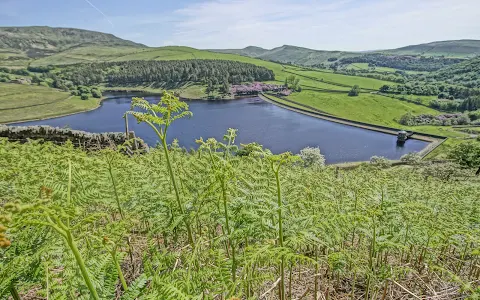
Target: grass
x: 20, y: 102
x: 363, y: 82
x: 364, y: 66
x: 13, y: 59
x: 369, y: 108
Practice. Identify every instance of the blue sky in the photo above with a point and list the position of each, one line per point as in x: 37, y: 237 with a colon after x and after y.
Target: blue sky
x: 320, y: 24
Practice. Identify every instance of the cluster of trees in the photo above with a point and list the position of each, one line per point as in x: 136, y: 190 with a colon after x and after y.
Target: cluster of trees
x: 441, y: 90
x: 354, y: 91
x: 417, y: 88
x: 210, y: 72
x: 397, y: 76
x: 466, y: 74
x: 292, y: 82
x: 409, y: 119
x: 86, y: 92
x: 413, y: 63
x: 469, y: 104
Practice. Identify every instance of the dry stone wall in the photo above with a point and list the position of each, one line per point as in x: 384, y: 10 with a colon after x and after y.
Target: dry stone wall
x: 85, y: 140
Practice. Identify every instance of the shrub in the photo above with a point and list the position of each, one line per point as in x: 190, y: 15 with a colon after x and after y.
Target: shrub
x: 96, y: 93
x: 84, y: 97
x: 380, y: 161
x: 75, y: 93
x: 354, y: 91
x: 312, y: 157
x: 445, y: 172
x: 411, y: 158
x: 466, y: 154
x: 407, y: 119
x: 474, y: 115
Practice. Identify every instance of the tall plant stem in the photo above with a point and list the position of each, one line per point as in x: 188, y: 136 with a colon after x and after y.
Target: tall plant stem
x: 119, y: 270
x: 114, y: 185
x: 47, y: 281
x: 14, y: 293
x: 174, y: 183
x: 227, y: 223
x: 280, y: 231
x: 81, y: 264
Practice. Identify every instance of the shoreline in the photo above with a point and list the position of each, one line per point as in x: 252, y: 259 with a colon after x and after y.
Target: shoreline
x: 59, y: 116
x: 433, y: 140
x: 113, y: 97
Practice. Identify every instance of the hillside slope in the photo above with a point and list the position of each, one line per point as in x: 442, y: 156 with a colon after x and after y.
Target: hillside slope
x: 290, y: 54
x: 38, y: 41
x: 454, y: 48
x: 312, y: 57
x: 466, y: 73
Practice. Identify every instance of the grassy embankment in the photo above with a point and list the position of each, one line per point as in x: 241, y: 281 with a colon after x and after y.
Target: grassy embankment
x: 19, y: 102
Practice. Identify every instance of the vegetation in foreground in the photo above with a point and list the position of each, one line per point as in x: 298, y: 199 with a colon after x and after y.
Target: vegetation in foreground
x: 224, y: 222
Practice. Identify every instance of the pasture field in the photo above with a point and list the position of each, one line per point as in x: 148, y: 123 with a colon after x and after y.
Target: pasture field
x: 364, y: 66
x: 20, y: 102
x: 363, y: 82
x: 366, y: 107
x: 13, y: 59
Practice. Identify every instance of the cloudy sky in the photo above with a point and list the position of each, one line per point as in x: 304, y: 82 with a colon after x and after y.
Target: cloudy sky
x: 319, y: 24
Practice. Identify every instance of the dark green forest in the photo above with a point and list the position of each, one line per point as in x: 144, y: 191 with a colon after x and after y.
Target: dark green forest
x: 170, y: 72
x: 413, y: 63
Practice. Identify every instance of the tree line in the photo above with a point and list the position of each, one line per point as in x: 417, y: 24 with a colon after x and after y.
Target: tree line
x: 211, y: 72
x: 401, y: 62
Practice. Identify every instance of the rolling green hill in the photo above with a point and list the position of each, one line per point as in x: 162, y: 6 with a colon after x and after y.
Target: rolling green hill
x: 18, y: 45
x: 43, y: 39
x: 454, y: 48
x: 466, y: 73
x: 290, y: 54
x: 311, y: 57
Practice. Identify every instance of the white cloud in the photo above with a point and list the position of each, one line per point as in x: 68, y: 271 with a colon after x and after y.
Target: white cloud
x: 324, y: 24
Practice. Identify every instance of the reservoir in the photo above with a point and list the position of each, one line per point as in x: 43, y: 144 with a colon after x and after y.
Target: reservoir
x: 275, y: 128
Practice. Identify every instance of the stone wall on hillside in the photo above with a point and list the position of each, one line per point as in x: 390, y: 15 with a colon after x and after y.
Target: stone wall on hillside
x: 85, y: 140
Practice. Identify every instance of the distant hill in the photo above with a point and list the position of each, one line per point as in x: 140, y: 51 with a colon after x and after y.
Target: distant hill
x: 311, y: 57
x: 39, y: 41
x: 291, y: 54
x: 454, y: 48
x: 250, y: 51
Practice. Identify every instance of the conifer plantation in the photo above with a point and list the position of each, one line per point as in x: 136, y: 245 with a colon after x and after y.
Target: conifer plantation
x: 170, y: 72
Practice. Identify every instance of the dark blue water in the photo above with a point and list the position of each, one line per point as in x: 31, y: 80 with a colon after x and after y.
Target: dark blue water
x: 276, y: 128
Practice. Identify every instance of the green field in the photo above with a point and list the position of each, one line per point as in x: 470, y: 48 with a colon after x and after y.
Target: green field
x: 20, y: 102
x: 369, y: 108
x: 13, y: 59
x: 363, y: 82
x: 364, y: 66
